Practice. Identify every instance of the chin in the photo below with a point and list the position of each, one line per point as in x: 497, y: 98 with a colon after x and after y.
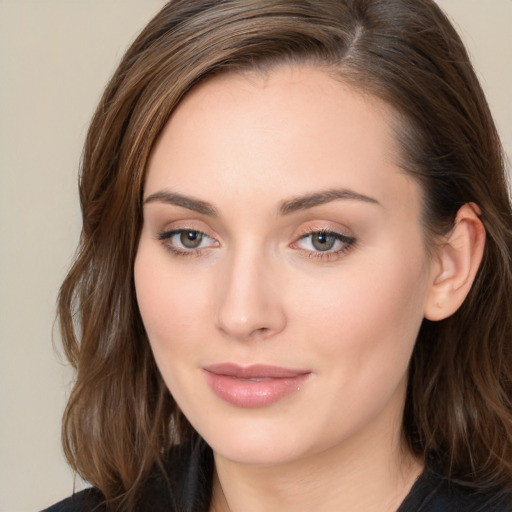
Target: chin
x: 256, y: 454
x: 256, y: 442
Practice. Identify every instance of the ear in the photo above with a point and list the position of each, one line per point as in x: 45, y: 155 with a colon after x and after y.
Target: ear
x: 455, y: 264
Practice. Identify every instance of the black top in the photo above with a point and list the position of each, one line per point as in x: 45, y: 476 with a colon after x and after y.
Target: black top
x: 185, y: 486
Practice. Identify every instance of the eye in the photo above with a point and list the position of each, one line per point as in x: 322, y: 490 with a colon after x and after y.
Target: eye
x: 324, y: 243
x: 186, y: 241
x: 190, y: 239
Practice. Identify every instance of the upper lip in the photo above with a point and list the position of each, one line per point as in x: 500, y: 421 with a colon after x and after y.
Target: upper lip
x: 254, y: 371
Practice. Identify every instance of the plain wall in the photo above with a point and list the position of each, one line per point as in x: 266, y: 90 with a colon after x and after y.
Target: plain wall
x: 55, y: 58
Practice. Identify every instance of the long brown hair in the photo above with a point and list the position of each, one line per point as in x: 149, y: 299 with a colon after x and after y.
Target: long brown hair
x: 120, y: 418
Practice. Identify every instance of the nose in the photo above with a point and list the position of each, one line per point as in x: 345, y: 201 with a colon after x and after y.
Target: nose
x: 249, y: 304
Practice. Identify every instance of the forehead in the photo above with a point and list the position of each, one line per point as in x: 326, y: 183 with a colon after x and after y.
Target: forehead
x: 289, y: 130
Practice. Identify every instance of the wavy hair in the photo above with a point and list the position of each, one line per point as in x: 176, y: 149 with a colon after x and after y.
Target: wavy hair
x: 120, y: 418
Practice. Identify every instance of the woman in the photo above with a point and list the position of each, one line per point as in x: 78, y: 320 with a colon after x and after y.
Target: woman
x: 293, y: 286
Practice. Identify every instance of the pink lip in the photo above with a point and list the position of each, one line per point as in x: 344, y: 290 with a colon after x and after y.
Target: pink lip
x: 253, y: 386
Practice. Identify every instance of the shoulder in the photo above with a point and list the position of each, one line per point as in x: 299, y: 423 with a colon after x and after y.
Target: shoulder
x: 182, y: 482
x: 432, y: 493
x: 88, y: 500
x: 454, y: 498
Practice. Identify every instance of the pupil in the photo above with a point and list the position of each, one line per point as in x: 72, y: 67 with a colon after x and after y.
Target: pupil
x: 191, y: 239
x: 323, y: 241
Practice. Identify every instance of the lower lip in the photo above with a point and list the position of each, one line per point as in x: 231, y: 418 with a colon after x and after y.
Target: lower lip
x: 253, y: 393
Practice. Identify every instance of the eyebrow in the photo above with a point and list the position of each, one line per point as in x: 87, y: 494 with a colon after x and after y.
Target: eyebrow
x: 187, y: 202
x: 318, y: 198
x: 287, y: 207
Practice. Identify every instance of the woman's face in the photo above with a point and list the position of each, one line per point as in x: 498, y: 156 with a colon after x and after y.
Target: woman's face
x: 281, y: 273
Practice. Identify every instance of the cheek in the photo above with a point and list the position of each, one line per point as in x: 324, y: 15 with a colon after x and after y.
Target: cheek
x: 159, y: 306
x: 360, y: 328
x: 368, y: 316
x: 172, y: 307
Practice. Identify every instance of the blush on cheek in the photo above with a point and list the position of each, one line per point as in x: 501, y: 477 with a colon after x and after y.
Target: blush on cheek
x: 172, y: 307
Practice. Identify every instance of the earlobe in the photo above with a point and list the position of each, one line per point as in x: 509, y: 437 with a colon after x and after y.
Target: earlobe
x: 455, y: 264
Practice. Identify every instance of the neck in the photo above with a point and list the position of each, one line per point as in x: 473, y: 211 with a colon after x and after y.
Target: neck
x: 368, y: 477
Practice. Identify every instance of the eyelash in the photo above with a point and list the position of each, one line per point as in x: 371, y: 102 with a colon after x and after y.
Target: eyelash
x: 166, y: 236
x: 347, y: 242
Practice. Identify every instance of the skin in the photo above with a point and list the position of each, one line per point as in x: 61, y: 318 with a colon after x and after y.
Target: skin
x: 257, y: 290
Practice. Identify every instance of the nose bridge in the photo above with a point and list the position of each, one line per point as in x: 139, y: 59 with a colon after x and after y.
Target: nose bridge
x: 249, y: 303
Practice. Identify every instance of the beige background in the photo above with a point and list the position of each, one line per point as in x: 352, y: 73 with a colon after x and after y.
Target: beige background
x: 55, y: 57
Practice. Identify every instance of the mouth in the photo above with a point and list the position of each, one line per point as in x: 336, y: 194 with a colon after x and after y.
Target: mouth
x: 253, y: 386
